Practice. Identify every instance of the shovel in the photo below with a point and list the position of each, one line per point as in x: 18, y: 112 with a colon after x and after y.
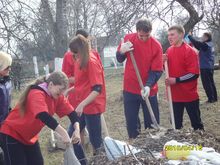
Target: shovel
x: 155, y: 124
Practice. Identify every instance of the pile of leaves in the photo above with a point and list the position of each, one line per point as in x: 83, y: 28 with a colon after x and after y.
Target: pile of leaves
x: 152, y: 141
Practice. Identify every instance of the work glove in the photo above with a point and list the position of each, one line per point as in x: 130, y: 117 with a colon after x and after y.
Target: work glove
x: 126, y: 47
x: 145, y: 92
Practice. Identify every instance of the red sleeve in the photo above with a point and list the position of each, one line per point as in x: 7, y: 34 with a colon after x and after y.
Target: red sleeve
x: 192, y: 62
x: 68, y: 64
x: 157, y: 62
x: 63, y: 107
x: 36, y: 102
x: 95, y: 73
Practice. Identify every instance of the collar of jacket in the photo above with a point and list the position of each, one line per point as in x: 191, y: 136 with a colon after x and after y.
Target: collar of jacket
x: 4, y: 79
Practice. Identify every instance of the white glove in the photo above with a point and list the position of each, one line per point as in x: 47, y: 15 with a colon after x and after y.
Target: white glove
x: 145, y: 92
x: 126, y: 47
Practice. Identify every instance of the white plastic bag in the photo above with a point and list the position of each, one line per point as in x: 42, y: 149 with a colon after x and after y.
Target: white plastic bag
x: 115, y: 148
x: 70, y: 157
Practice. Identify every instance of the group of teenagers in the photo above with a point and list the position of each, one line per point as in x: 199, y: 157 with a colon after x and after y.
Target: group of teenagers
x: 79, y: 92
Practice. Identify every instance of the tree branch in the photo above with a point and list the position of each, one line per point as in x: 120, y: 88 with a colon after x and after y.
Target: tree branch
x: 194, y: 17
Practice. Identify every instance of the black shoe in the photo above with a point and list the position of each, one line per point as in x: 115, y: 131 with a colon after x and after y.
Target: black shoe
x: 211, y: 101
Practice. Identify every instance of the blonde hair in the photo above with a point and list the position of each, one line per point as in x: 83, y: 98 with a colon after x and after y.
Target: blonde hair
x: 178, y: 28
x: 5, y: 61
x: 79, y: 45
x: 57, y: 78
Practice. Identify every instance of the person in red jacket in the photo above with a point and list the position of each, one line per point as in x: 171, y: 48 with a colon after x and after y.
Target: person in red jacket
x: 183, y: 64
x: 148, y: 55
x: 89, y: 88
x: 68, y: 68
x: 39, y: 102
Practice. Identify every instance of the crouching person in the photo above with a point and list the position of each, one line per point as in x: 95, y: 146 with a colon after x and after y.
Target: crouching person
x: 39, y: 102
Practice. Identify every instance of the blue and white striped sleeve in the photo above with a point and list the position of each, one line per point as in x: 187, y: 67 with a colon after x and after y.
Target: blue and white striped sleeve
x: 187, y: 77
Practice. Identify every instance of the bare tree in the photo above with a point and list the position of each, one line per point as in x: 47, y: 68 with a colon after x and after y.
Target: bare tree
x: 184, y: 10
x: 194, y: 17
x: 212, y: 20
x: 15, y: 24
x: 53, y: 22
x: 213, y: 14
x: 58, y: 25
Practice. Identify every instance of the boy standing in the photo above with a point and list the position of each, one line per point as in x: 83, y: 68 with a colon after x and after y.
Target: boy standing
x: 183, y: 67
x: 148, y: 55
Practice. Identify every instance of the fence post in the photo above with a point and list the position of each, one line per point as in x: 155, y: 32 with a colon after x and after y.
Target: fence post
x: 46, y: 69
x: 35, y: 67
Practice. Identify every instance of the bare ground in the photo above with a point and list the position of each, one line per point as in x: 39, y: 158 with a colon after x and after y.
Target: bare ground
x: 210, y: 113
x: 115, y: 120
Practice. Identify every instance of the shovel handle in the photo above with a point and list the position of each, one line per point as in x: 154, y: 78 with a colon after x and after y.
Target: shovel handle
x: 136, y: 70
x: 142, y: 87
x: 169, y: 96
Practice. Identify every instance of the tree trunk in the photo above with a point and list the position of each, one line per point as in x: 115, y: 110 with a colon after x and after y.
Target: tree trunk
x: 193, y: 20
x: 194, y: 17
x: 60, y: 35
x: 59, y: 27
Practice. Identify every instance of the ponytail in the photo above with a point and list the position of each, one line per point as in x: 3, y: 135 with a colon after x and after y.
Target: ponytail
x: 79, y: 45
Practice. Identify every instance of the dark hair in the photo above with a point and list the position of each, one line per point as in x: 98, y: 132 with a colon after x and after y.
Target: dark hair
x: 178, y: 28
x: 144, y: 25
x: 209, y: 36
x: 80, y: 46
x: 83, y: 32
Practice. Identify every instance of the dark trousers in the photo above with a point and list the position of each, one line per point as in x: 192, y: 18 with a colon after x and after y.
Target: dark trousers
x: 193, y: 111
x: 93, y: 124
x: 132, y: 104
x: 16, y: 153
x: 209, y: 84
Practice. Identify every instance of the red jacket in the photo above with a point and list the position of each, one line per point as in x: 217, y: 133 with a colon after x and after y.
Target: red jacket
x: 85, y: 79
x: 68, y: 69
x: 148, y: 56
x: 25, y: 129
x: 181, y: 61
